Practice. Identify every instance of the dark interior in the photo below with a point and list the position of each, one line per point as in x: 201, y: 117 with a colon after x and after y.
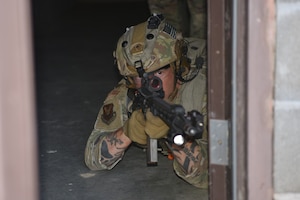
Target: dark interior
x: 74, y: 71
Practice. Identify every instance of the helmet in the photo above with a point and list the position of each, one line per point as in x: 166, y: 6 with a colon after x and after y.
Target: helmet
x: 149, y: 45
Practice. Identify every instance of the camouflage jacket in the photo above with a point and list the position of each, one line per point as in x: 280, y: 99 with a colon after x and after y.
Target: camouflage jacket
x: 114, y: 113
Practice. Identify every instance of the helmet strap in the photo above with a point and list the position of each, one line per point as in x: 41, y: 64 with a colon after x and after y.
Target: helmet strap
x: 139, y: 68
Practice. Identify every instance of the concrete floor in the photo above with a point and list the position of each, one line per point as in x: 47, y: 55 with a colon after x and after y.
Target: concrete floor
x: 74, y: 72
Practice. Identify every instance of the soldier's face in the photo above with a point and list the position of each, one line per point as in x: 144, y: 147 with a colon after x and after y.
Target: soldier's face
x: 167, y: 77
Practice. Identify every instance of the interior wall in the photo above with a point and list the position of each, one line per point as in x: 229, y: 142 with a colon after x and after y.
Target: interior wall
x: 46, y: 12
x: 87, y: 1
x: 49, y: 10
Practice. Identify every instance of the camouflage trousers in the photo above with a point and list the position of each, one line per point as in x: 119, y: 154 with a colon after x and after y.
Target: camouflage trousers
x: 187, y: 16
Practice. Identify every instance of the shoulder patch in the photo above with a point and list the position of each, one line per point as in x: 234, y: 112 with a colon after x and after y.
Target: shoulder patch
x: 109, y: 114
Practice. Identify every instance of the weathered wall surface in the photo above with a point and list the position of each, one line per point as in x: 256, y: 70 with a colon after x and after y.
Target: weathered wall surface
x: 287, y: 102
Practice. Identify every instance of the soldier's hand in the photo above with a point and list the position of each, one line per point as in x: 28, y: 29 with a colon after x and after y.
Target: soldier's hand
x: 155, y: 127
x: 134, y: 127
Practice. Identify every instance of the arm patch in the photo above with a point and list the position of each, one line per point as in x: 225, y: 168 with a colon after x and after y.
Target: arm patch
x: 108, y: 114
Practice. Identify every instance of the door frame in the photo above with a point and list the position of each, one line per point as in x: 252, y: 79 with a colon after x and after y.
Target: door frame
x: 241, y: 55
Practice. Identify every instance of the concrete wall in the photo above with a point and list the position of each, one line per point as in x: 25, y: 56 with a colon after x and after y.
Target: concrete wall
x: 287, y: 102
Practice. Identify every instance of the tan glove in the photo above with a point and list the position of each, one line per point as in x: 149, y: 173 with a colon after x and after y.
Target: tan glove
x: 155, y: 127
x: 134, y: 127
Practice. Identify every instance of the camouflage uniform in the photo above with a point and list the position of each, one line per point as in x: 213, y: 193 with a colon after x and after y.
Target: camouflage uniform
x: 187, y: 16
x: 114, y: 114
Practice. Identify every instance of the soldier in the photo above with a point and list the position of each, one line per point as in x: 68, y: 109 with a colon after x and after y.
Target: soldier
x: 153, y: 47
x: 187, y: 16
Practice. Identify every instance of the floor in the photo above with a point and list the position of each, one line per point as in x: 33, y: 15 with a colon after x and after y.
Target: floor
x: 74, y: 72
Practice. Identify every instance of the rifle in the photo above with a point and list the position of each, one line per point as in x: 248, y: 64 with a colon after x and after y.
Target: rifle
x: 183, y: 126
